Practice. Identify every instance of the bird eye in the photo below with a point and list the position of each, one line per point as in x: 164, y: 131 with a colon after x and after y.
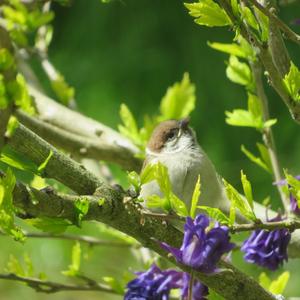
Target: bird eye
x: 171, y: 135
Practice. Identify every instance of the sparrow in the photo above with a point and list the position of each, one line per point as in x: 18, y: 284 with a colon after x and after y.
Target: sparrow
x: 174, y: 144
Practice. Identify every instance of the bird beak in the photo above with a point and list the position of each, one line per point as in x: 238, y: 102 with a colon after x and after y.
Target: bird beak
x: 183, y: 125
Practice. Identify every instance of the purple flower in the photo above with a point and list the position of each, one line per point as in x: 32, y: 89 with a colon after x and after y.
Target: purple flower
x: 200, y: 291
x: 267, y: 248
x: 201, y: 249
x: 293, y: 201
x: 153, y: 284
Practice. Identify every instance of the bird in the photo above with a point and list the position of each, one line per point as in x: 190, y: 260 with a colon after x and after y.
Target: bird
x: 174, y: 144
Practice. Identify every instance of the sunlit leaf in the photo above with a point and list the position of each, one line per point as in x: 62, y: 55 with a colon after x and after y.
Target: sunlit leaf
x: 292, y: 82
x: 74, y: 267
x: 52, y: 225
x: 216, y: 214
x: 195, y: 198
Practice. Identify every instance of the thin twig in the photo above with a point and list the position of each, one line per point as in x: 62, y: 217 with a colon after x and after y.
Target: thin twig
x: 291, y: 225
x: 290, y: 34
x: 92, y: 241
x: 268, y: 136
x: 48, y: 287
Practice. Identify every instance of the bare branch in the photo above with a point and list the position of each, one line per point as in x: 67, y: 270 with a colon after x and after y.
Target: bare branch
x: 90, y: 240
x: 49, y: 287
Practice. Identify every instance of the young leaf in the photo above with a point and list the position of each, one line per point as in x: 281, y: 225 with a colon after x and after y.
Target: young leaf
x: 216, y: 214
x: 233, y: 49
x: 294, y: 185
x: 12, y: 125
x: 238, y: 202
x: 7, y: 210
x: 63, y: 91
x: 247, y: 189
x: 292, y: 82
x: 178, y: 205
x: 264, y: 153
x: 179, y: 101
x: 264, y: 280
x: 74, y: 267
x: 208, y: 13
x: 256, y: 160
x: 114, y: 284
x: 249, y: 18
x: 278, y: 286
x: 239, y: 73
x: 195, y: 198
x: 44, y: 164
x: 134, y: 180
x: 81, y: 209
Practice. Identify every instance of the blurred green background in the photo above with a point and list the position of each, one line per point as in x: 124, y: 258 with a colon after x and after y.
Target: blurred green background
x: 130, y: 51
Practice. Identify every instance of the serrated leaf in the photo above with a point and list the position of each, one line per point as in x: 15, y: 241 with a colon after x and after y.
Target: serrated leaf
x: 256, y: 160
x: 216, y: 214
x: 74, y: 267
x: 292, y: 82
x: 195, y: 198
x: 239, y: 73
x: 247, y: 189
x: 179, y: 100
x: 52, y: 225
x: 238, y: 202
x: 208, y: 13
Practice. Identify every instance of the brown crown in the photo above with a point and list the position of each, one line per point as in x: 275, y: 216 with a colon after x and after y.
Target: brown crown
x: 163, y: 131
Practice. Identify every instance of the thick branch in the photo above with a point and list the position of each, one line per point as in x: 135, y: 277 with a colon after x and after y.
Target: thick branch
x: 60, y: 167
x: 79, y: 146
x: 49, y: 287
x: 112, y: 145
x: 121, y: 213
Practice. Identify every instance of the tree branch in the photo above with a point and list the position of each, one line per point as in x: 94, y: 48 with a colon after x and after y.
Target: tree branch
x: 291, y: 225
x: 268, y: 136
x: 290, y: 34
x: 121, y: 213
x: 111, y: 145
x: 60, y: 167
x: 90, y: 240
x: 49, y: 287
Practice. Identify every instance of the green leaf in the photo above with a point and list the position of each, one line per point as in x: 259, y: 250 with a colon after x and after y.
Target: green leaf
x: 208, y: 13
x: 17, y: 90
x: 12, y: 125
x: 264, y: 280
x: 278, y: 286
x: 134, y: 180
x: 130, y: 128
x: 247, y: 189
x: 114, y: 284
x: 264, y: 154
x: 74, y: 267
x: 195, y: 198
x: 292, y: 82
x: 44, y: 164
x: 249, y: 18
x: 178, y: 205
x: 270, y: 123
x: 238, y: 202
x: 148, y: 173
x: 38, y: 182
x: 81, y: 209
x: 52, y: 225
x: 4, y: 100
x: 294, y: 185
x: 216, y: 214
x: 15, y: 160
x: 63, y: 91
x: 233, y: 49
x: 263, y: 24
x: 239, y: 73
x: 14, y: 266
x: 6, y: 59
x: 179, y: 101
x: 7, y: 210
x: 256, y: 160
